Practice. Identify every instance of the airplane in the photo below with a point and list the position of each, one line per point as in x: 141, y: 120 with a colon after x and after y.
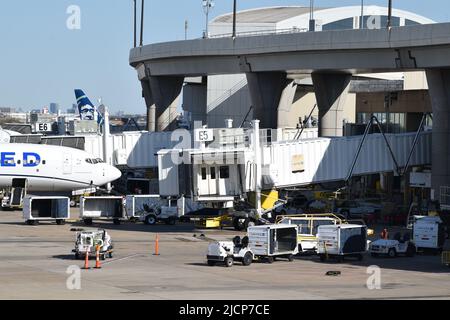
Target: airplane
x: 86, y: 108
x: 53, y: 168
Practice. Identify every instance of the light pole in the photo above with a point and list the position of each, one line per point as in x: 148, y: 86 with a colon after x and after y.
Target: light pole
x: 361, y: 23
x: 142, y: 24
x: 234, y: 19
x: 207, y: 6
x: 312, y: 22
x: 135, y: 18
x: 389, y: 21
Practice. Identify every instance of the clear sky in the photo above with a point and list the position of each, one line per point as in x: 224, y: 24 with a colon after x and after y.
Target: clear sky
x: 42, y: 61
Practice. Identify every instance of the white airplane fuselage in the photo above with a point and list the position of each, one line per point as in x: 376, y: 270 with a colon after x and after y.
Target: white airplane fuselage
x: 53, y: 168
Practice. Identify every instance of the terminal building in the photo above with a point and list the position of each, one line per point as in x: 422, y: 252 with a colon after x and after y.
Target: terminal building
x: 277, y: 71
x: 398, y: 99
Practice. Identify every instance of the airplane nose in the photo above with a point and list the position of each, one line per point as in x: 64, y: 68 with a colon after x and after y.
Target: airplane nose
x: 114, y: 173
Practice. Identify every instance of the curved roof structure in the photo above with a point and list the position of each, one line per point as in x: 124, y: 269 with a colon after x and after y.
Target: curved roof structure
x: 264, y: 15
x: 297, y: 15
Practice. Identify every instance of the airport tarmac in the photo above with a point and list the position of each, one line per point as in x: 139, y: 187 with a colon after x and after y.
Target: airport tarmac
x: 34, y: 261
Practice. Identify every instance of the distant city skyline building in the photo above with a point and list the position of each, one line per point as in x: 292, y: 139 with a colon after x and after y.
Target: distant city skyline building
x: 54, y: 108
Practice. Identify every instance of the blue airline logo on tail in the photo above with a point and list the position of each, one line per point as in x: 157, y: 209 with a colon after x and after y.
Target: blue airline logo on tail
x: 85, y: 107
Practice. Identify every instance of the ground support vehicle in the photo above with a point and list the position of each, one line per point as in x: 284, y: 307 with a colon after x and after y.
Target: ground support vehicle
x: 429, y: 234
x: 36, y: 209
x: 263, y: 243
x: 308, y: 225
x: 392, y: 248
x: 151, y: 209
x: 102, y: 208
x: 87, y: 241
x: 340, y: 241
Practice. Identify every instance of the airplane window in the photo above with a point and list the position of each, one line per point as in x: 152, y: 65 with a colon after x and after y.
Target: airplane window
x: 43, y: 161
x: 18, y: 161
x: 94, y: 161
x: 89, y: 161
x: 99, y: 160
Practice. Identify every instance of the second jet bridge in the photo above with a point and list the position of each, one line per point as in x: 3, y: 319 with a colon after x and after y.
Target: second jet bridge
x: 217, y: 174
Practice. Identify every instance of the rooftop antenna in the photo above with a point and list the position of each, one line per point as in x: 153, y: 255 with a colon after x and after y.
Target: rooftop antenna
x: 207, y: 6
x: 186, y: 27
x: 389, y: 20
x: 312, y: 22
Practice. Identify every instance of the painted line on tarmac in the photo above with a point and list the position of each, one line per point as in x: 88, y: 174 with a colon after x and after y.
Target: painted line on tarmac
x: 124, y: 258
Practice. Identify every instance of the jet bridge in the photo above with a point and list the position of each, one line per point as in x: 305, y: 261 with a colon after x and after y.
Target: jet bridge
x: 223, y: 174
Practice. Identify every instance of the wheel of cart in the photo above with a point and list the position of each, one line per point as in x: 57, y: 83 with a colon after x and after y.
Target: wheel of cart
x: 150, y: 220
x: 229, y: 261
x: 60, y: 222
x: 270, y: 260
x: 392, y: 253
x: 87, y: 221
x: 411, y: 250
x: 248, y: 259
x: 116, y: 221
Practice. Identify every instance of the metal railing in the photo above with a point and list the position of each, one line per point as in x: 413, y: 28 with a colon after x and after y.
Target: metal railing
x: 259, y: 33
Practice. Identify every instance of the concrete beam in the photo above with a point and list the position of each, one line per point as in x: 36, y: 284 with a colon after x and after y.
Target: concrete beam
x: 331, y: 90
x: 269, y: 91
x: 354, y: 51
x: 165, y: 93
x: 439, y: 89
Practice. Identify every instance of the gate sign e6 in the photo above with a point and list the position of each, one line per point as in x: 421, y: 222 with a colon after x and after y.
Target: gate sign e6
x: 43, y: 127
x: 204, y: 135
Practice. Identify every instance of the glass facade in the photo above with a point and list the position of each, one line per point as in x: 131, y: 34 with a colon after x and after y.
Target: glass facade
x: 391, y: 122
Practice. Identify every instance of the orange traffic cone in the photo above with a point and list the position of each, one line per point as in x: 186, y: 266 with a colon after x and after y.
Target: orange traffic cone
x: 86, y: 261
x: 156, y: 245
x: 97, y: 258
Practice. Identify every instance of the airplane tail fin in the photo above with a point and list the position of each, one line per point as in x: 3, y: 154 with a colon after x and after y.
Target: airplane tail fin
x: 86, y: 108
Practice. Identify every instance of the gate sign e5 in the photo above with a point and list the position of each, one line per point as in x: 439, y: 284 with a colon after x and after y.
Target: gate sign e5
x: 43, y: 127
x: 204, y: 135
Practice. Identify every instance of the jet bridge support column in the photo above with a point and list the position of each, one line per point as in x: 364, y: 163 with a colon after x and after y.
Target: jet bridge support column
x: 331, y: 90
x: 165, y: 92
x: 439, y: 89
x: 151, y: 108
x: 270, y: 91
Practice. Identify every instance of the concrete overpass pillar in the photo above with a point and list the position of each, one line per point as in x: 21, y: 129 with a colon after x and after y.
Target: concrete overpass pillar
x: 151, y: 108
x: 439, y: 89
x: 269, y: 91
x: 165, y: 93
x: 331, y: 90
